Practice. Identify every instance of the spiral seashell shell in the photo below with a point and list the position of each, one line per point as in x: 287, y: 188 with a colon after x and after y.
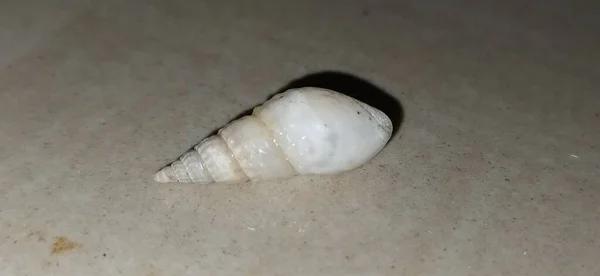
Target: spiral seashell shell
x: 298, y: 132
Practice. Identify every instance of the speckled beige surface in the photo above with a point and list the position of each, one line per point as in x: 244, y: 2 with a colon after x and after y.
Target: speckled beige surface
x: 494, y: 171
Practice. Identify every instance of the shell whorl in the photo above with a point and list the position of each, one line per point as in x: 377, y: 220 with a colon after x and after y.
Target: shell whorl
x: 242, y: 150
x: 300, y: 131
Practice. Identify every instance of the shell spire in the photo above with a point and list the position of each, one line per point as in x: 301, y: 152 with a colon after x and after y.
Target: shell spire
x: 300, y: 131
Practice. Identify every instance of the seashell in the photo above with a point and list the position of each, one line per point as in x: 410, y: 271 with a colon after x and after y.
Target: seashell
x: 297, y: 132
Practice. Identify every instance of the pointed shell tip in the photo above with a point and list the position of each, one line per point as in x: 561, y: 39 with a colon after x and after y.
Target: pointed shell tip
x: 160, y: 177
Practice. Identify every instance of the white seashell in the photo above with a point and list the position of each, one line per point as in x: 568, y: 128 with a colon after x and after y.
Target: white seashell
x: 298, y: 132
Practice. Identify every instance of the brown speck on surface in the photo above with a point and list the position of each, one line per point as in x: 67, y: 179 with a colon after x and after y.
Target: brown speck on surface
x: 63, y: 245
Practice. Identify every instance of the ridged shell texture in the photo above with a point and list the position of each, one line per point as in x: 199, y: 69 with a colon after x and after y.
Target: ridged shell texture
x: 300, y: 131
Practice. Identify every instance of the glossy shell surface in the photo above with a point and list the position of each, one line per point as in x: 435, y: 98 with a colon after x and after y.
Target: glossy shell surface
x: 300, y: 131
